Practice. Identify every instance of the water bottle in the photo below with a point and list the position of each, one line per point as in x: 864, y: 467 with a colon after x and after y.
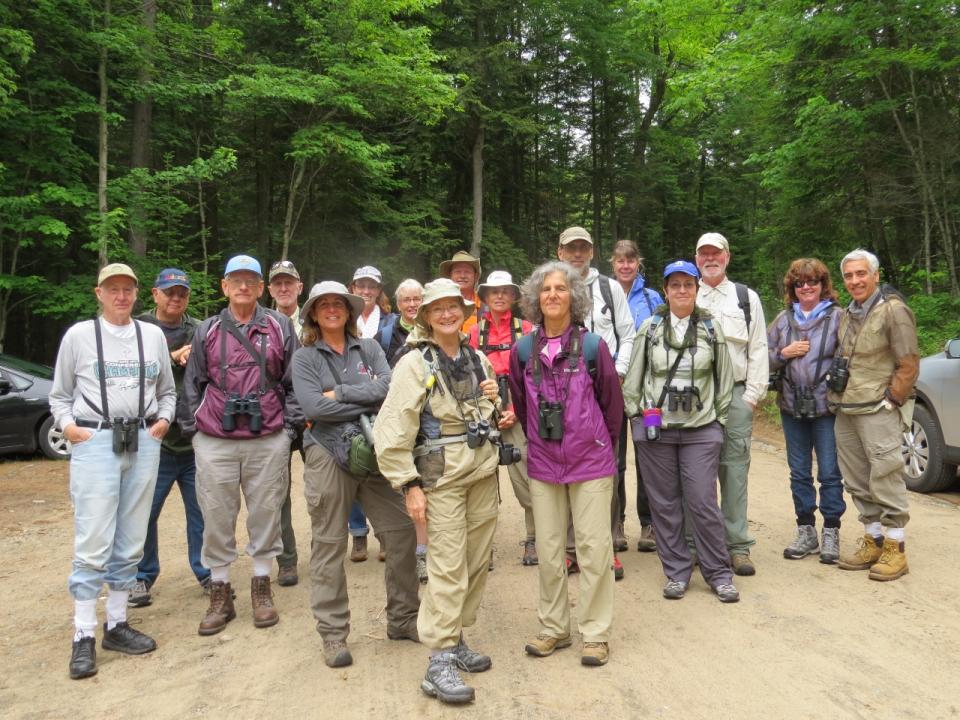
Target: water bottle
x: 652, y: 421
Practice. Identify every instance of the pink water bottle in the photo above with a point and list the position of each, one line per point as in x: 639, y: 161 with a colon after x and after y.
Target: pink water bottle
x: 652, y: 421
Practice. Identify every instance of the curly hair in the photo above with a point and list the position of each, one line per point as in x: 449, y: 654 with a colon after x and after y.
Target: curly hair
x: 311, y: 331
x: 807, y: 269
x: 581, y: 299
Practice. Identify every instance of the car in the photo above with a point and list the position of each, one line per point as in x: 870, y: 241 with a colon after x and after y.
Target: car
x: 931, y: 448
x: 26, y: 424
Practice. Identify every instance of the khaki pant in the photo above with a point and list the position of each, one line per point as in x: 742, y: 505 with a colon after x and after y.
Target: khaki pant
x: 868, y: 448
x: 256, y: 467
x: 461, y: 520
x: 330, y: 492
x: 589, y: 503
x: 518, y: 476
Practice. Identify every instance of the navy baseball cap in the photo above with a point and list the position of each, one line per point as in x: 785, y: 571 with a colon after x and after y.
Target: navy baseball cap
x: 681, y: 266
x: 169, y: 277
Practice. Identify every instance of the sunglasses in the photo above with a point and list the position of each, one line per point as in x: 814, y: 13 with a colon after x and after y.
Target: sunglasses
x: 808, y: 283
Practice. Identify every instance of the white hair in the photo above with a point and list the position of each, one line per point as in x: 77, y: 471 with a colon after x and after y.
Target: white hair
x: 408, y: 284
x: 860, y: 254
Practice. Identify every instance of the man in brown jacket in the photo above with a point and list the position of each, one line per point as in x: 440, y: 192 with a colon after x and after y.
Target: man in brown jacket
x: 871, y: 391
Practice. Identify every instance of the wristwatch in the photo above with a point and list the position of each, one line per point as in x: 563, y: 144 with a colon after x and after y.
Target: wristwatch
x: 413, y: 483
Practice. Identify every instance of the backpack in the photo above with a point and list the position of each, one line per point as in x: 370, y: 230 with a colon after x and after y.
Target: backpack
x: 385, y: 333
x: 591, y: 345
x: 483, y: 334
x: 743, y: 302
x: 607, y: 296
x: 707, y: 323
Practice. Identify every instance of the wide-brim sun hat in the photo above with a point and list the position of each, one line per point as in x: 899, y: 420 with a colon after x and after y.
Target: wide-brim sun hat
x: 497, y: 279
x: 438, y: 290
x: 330, y: 287
x: 681, y: 266
x: 462, y: 256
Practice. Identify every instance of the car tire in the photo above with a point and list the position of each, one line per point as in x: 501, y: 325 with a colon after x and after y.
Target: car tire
x: 51, y: 441
x: 923, y: 450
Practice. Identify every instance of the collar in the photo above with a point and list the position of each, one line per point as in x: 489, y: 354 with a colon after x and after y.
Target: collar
x: 857, y: 306
x: 259, y: 319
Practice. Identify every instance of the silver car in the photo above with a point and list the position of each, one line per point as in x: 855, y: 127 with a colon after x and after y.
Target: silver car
x: 931, y: 449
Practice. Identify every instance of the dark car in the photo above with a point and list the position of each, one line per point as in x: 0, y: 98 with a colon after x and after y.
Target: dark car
x: 26, y: 424
x: 931, y: 448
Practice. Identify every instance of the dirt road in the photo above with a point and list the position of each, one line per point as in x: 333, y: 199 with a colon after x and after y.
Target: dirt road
x: 806, y: 641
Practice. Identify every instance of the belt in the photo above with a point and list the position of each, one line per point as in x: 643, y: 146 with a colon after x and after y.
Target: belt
x: 108, y: 424
x: 740, y: 383
x: 431, y: 443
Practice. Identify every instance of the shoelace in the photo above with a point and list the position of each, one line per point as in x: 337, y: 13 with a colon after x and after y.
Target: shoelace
x: 448, y: 671
x: 675, y: 586
x: 726, y: 589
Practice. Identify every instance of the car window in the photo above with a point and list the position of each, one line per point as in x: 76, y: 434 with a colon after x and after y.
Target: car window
x: 25, y: 366
x: 19, y: 382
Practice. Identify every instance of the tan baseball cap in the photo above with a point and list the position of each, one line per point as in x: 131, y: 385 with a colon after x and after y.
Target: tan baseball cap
x: 574, y: 233
x: 713, y: 239
x: 114, y: 269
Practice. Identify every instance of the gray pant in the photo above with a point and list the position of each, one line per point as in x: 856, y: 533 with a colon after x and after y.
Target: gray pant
x: 734, y: 469
x: 257, y: 467
x: 680, y: 472
x: 330, y: 491
x: 519, y: 478
x: 289, y: 558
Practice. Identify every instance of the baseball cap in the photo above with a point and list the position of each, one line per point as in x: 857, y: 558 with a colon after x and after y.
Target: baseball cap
x: 681, y: 266
x: 283, y: 267
x: 713, y: 240
x: 243, y: 262
x: 168, y: 277
x: 575, y: 233
x: 114, y: 269
x: 368, y: 271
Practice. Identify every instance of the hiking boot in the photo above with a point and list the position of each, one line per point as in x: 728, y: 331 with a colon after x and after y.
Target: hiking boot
x: 530, y: 556
x: 830, y: 546
x: 727, y: 593
x: 647, y: 541
x: 869, y: 549
x: 359, y: 551
x: 544, y: 645
x: 408, y: 633
x: 620, y: 540
x: 470, y: 660
x: 220, y: 611
x: 443, y: 681
x: 595, y: 654
x: 83, y: 658
x: 674, y: 589
x: 572, y: 567
x: 490, y: 564
x: 617, y: 568
x: 382, y: 555
x: 139, y: 595
x: 422, y: 567
x: 742, y: 564
x: 805, y: 543
x: 125, y: 639
x: 892, y: 563
x: 264, y: 613
x: 336, y: 653
x: 287, y: 576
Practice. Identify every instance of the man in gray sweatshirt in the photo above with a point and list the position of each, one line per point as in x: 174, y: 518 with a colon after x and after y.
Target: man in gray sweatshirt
x: 114, y: 398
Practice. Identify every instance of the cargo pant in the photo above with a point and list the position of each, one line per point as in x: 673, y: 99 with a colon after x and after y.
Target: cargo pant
x: 733, y: 472
x: 518, y: 476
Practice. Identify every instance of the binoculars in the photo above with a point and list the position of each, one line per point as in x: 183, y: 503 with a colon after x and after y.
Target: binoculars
x: 804, y: 403
x: 248, y: 405
x: 477, y: 433
x: 682, y: 400
x: 509, y: 454
x: 126, y: 435
x: 839, y: 375
x: 550, y: 420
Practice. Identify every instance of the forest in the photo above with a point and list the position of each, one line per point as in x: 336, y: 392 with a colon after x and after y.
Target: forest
x: 338, y: 133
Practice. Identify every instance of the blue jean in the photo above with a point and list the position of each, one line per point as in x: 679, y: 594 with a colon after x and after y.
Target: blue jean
x: 357, y: 522
x: 182, y: 470
x: 804, y: 437
x: 111, y: 497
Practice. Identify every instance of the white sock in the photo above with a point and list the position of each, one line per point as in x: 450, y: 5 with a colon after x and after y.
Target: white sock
x: 895, y: 534
x: 116, y: 607
x: 220, y: 574
x: 875, y: 529
x: 262, y: 567
x: 85, y: 618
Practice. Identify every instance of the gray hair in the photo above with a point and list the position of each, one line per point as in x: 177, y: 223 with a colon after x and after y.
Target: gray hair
x: 408, y: 284
x: 581, y: 300
x: 860, y: 254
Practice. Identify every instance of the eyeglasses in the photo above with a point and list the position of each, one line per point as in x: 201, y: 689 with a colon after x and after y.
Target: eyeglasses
x: 808, y: 283
x: 440, y: 310
x: 176, y: 291
x: 244, y: 282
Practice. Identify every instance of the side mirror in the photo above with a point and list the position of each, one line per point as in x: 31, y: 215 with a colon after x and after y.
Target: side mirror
x: 5, y: 386
x: 953, y: 348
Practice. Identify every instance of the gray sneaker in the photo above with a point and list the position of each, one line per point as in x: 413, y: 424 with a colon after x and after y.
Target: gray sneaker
x: 805, y: 543
x: 830, y: 546
x: 443, y: 681
x: 470, y: 660
x: 674, y: 589
x: 139, y: 595
x: 422, y: 568
x: 727, y: 593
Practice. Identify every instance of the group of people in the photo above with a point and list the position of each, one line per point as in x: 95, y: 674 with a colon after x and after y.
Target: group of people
x: 404, y: 418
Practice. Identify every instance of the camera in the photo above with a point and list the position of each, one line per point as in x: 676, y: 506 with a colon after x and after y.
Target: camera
x: 682, y: 400
x: 248, y: 405
x: 839, y: 375
x: 477, y: 433
x: 804, y: 403
x: 126, y: 435
x: 503, y: 387
x: 775, y: 382
x: 652, y: 422
x: 508, y: 454
x: 551, y: 420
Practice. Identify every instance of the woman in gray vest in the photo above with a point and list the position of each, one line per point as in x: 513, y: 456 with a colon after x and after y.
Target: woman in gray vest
x: 340, y: 380
x: 680, y: 383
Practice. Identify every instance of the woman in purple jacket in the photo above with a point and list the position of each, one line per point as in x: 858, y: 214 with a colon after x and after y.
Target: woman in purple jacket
x: 567, y: 398
x: 802, y: 340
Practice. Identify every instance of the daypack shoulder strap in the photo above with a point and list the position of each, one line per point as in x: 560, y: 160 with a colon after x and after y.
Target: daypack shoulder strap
x: 743, y: 301
x: 607, y: 295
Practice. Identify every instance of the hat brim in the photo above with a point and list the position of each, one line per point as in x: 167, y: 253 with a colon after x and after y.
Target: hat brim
x: 446, y: 267
x: 484, y: 288
x: 355, y: 303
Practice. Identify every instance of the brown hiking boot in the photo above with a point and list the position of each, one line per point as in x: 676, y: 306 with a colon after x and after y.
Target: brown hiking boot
x: 620, y: 543
x: 264, y: 613
x: 647, y: 541
x: 220, y: 611
x: 869, y: 549
x: 530, y: 556
x: 359, y: 552
x: 892, y: 563
x: 543, y: 645
x: 595, y: 653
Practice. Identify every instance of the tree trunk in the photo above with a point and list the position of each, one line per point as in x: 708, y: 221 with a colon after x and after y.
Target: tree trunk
x: 102, y: 140
x: 477, y: 191
x: 142, y: 121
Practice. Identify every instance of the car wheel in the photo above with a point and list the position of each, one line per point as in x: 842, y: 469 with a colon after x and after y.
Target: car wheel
x: 924, y: 468
x: 52, y: 442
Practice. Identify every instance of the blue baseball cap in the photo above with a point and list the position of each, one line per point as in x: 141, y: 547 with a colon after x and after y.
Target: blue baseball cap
x: 681, y: 266
x: 242, y: 262
x: 168, y: 277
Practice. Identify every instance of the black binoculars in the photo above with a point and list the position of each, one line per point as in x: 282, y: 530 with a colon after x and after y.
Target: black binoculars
x: 804, y: 403
x: 126, y: 435
x: 839, y: 375
x: 551, y: 420
x: 775, y: 381
x: 682, y: 400
x: 477, y: 433
x: 248, y: 405
x: 503, y: 387
x: 509, y: 454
